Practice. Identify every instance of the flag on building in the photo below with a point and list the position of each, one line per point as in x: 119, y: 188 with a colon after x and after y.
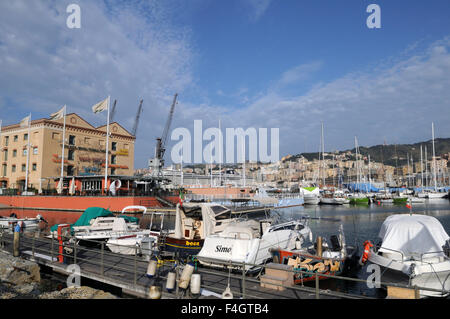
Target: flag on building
x: 101, y: 106
x: 25, y: 122
x: 57, y: 115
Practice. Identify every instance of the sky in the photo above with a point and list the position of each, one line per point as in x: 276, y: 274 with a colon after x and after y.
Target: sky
x: 289, y: 64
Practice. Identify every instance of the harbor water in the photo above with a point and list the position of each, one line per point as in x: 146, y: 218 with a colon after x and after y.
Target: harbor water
x: 360, y: 223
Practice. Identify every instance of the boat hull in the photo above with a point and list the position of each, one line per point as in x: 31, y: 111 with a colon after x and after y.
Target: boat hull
x: 183, y: 247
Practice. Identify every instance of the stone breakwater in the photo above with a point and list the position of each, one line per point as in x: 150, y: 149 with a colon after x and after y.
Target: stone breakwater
x: 21, y: 279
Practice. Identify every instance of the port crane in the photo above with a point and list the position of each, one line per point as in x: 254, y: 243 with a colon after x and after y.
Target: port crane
x: 157, y: 163
x: 136, y: 121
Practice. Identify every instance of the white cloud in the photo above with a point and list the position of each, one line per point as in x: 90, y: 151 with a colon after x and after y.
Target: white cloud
x: 395, y: 101
x: 258, y: 8
x: 122, y: 51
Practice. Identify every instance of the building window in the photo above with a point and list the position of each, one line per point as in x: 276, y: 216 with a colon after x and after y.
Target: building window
x: 6, y: 140
x: 34, y: 167
x: 13, y: 169
x: 71, y: 140
x: 5, y: 155
x: 16, y: 138
x: 114, y: 146
x: 24, y: 167
x: 14, y: 153
x: 87, y: 140
x: 35, y: 151
x: 55, y: 136
x: 113, y: 159
x: 69, y: 170
x: 24, y: 152
x: 113, y: 171
x: 25, y: 137
x: 71, y: 155
x: 5, y: 168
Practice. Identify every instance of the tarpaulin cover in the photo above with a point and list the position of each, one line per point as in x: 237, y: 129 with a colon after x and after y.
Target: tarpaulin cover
x: 94, y: 212
x: 412, y: 234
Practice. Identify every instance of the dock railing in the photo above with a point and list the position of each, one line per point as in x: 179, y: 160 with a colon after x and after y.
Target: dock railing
x: 129, y: 271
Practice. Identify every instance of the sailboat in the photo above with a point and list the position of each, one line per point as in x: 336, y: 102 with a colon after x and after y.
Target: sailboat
x: 357, y: 197
x: 434, y: 194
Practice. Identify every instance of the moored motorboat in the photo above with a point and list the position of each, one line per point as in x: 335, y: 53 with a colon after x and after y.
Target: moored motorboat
x: 193, y: 222
x: 144, y: 242
x: 414, y: 251
x: 249, y: 242
x: 320, y: 259
x: 8, y: 222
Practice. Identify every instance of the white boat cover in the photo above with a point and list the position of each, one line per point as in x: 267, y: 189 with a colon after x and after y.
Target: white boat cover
x: 412, y: 235
x: 208, y: 218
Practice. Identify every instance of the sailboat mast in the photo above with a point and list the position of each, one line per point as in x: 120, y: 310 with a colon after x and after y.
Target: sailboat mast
x: 434, y: 158
x: 323, y: 156
x: 421, y: 166
x: 426, y: 167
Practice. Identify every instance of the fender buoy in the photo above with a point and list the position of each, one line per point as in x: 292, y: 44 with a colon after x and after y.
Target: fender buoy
x: 367, y: 245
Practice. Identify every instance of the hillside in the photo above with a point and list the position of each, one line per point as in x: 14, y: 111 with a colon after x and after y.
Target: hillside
x: 389, y: 153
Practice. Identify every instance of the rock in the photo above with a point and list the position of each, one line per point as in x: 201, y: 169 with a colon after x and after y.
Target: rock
x: 18, y: 271
x: 78, y: 293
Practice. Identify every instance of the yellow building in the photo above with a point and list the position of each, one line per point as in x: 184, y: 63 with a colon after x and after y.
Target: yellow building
x: 84, y: 152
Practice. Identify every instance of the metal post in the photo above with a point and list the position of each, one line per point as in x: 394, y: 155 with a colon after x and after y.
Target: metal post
x: 135, y: 265
x: 317, y: 287
x: 101, y: 261
x: 32, y: 246
x: 243, y: 280
x: 52, y: 246
x: 75, y: 252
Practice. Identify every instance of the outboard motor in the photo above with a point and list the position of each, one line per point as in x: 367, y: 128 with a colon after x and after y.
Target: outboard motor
x: 446, y: 248
x: 335, y: 245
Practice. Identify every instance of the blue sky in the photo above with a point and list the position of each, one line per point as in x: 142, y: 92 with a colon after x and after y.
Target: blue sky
x: 253, y: 63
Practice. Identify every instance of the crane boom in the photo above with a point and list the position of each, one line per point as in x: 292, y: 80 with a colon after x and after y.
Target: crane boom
x: 157, y: 163
x: 136, y: 121
x: 167, y: 127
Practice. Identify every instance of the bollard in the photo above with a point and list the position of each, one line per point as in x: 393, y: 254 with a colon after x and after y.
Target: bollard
x: 170, y: 284
x: 16, y: 245
x: 319, y: 246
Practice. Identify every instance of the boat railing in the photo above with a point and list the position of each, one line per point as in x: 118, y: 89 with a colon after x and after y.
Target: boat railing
x: 393, y: 250
x: 433, y: 252
x: 129, y: 271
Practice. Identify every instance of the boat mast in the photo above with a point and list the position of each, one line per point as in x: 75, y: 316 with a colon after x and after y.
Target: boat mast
x: 323, y: 157
x: 421, y: 166
x: 434, y: 158
x: 426, y: 167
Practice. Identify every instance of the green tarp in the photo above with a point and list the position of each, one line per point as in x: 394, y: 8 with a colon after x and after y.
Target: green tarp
x: 94, y: 212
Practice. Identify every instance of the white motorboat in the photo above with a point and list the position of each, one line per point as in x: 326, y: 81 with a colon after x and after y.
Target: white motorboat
x: 414, y: 251
x: 334, y: 198
x: 144, y: 242
x: 8, y: 222
x: 311, y: 195
x: 250, y: 242
x: 106, y: 227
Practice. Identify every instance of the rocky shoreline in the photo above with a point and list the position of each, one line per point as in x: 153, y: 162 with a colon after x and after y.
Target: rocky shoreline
x: 21, y: 279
